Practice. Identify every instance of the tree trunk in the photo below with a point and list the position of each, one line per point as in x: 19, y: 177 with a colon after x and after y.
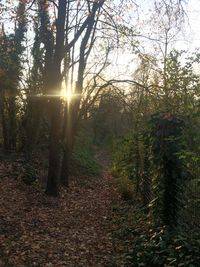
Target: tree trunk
x: 32, y: 124
x: 55, y: 104
x: 64, y: 177
x: 54, y: 154
x: 68, y: 138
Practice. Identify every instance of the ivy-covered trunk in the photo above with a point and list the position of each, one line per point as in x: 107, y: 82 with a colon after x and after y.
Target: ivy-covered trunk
x: 8, y: 120
x: 11, y: 50
x: 35, y: 105
x: 166, y: 146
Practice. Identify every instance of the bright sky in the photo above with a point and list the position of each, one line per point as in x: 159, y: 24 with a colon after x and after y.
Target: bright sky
x: 193, y: 11
x: 188, y: 39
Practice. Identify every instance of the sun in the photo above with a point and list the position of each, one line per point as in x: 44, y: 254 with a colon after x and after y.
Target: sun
x: 66, y: 94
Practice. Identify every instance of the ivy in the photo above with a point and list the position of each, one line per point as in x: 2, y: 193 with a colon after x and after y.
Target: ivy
x: 166, y: 144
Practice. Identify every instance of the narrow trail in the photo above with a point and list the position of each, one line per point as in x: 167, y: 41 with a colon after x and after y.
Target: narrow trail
x: 71, y: 231
x: 104, y: 158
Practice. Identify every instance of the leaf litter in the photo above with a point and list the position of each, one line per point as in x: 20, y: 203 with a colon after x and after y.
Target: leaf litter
x: 73, y: 230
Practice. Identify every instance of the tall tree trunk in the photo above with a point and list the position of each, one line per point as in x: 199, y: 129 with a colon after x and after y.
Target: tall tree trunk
x: 54, y: 153
x: 55, y: 104
x: 68, y: 146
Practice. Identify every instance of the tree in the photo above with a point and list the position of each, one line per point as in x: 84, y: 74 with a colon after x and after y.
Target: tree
x: 52, y: 86
x: 59, y: 50
x: 11, y: 48
x: 71, y: 114
x: 34, y: 107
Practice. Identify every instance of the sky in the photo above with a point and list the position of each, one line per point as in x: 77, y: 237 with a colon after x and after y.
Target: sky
x: 123, y: 62
x: 189, y: 36
x: 193, y: 11
x: 192, y: 7
x: 188, y: 39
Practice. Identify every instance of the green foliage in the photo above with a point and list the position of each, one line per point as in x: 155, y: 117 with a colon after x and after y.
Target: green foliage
x: 182, y: 83
x: 131, y: 162
x: 122, y: 157
x: 83, y: 158
x: 11, y: 49
x: 155, y: 248
x: 142, y: 242
x: 191, y: 213
x: 190, y: 153
x: 123, y: 167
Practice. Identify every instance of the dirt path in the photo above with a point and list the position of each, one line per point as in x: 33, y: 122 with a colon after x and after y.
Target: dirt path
x: 104, y: 158
x: 73, y: 231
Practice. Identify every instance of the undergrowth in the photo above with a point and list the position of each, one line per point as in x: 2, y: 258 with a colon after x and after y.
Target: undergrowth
x: 139, y: 242
x: 83, y: 157
x: 123, y: 169
x: 152, y: 234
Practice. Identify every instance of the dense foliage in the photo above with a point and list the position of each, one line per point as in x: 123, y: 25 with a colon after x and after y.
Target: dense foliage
x: 146, y: 244
x: 159, y: 160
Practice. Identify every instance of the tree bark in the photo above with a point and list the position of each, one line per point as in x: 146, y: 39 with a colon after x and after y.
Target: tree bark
x: 68, y: 146
x: 55, y: 104
x: 52, y: 188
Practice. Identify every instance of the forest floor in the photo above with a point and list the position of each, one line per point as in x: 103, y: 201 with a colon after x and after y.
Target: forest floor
x: 73, y: 230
